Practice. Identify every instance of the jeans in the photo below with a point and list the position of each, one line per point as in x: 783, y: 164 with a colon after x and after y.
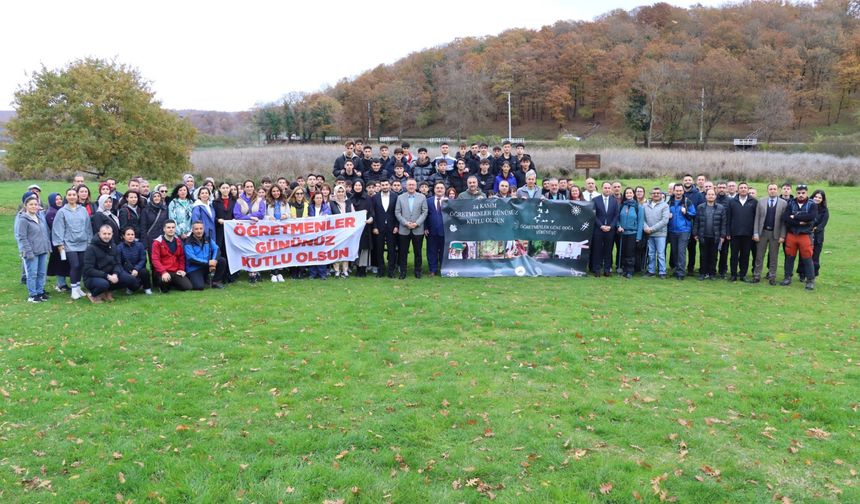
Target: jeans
x: 679, y: 243
x: 657, y: 254
x: 36, y: 268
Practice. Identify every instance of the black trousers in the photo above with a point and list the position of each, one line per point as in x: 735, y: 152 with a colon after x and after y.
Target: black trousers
x: 628, y: 252
x: 179, y: 282
x: 143, y: 279
x: 200, y: 277
x: 417, y: 242
x: 708, y: 259
x: 98, y: 286
x: 724, y: 254
x: 741, y: 247
x: 602, y: 242
x: 691, y: 256
x: 385, y: 242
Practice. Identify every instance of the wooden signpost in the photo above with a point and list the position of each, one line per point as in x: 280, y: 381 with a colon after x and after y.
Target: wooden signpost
x: 587, y: 162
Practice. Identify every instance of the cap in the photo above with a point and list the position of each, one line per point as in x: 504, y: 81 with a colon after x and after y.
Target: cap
x: 801, y: 187
x: 34, y: 187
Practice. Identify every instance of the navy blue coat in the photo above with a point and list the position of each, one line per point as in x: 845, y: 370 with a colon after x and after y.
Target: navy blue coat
x: 606, y: 216
x: 131, y: 257
x: 434, y: 224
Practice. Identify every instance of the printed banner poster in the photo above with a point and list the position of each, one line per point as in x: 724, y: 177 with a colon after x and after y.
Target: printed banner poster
x: 269, y: 244
x: 518, y: 237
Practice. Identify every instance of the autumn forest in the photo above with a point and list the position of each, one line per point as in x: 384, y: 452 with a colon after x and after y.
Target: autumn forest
x: 659, y: 73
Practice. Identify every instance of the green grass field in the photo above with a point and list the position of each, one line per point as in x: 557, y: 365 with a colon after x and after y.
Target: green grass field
x: 437, y: 390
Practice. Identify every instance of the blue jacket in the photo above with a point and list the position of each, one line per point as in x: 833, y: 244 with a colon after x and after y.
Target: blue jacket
x: 202, y: 212
x: 198, y: 254
x: 632, y: 219
x: 131, y: 257
x: 680, y: 223
x: 324, y: 210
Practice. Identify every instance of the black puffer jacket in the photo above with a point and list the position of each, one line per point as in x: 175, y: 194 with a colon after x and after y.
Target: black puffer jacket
x: 100, y: 259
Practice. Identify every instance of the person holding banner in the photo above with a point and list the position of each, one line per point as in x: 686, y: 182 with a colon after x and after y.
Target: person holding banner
x: 250, y: 206
x: 340, y: 205
x: 319, y: 207
x: 360, y: 201
x: 277, y: 209
x: 530, y: 189
x: 411, y: 211
x: 472, y: 190
x: 202, y: 259
x: 435, y: 229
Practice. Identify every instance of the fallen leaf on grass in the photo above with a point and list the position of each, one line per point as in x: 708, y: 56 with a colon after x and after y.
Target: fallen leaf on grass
x: 116, y: 455
x: 605, y: 488
x: 817, y: 433
x: 37, y: 484
x: 181, y: 428
x: 121, y: 478
x: 3, y: 392
x: 341, y: 455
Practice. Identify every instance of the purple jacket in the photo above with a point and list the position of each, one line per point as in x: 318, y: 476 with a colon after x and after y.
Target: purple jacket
x: 245, y: 202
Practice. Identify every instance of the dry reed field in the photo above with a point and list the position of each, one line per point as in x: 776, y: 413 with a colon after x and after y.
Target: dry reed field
x: 290, y: 161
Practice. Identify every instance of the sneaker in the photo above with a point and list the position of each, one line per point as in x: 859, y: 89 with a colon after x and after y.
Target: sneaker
x: 810, y: 285
x: 337, y: 273
x: 663, y: 276
x: 275, y: 278
x: 95, y: 299
x: 62, y: 288
x: 148, y: 292
x: 281, y: 278
x: 785, y: 282
x: 44, y: 296
x: 649, y: 275
x: 34, y: 299
x: 77, y: 293
x: 217, y: 285
x: 129, y: 292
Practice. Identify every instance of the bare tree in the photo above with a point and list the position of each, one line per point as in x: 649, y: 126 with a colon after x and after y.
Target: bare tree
x: 773, y: 110
x: 464, y: 100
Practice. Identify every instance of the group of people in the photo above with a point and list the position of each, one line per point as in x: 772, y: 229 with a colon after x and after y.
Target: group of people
x: 732, y: 229
x: 173, y: 238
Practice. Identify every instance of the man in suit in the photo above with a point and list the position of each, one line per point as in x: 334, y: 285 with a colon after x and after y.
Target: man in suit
x: 384, y: 228
x: 411, y: 211
x: 740, y: 223
x: 768, y: 233
x: 435, y: 230
x: 606, y: 212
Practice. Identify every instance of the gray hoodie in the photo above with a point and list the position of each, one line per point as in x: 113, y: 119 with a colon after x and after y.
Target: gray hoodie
x: 72, y: 229
x: 657, y: 218
x: 31, y: 232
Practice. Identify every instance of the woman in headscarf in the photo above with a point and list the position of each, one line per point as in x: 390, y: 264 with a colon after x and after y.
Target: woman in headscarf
x: 56, y: 266
x: 360, y: 202
x: 105, y: 215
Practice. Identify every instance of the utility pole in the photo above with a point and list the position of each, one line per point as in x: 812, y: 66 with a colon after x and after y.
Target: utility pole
x: 509, y: 114
x: 368, y: 122
x: 702, y: 120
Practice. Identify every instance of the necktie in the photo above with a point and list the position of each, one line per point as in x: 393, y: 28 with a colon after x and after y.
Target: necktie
x: 771, y: 203
x: 437, y: 203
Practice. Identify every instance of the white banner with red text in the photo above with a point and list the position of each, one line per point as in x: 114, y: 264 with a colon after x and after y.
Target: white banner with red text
x: 312, y: 241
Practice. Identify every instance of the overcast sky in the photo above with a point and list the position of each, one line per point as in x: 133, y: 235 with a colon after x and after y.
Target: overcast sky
x: 212, y: 56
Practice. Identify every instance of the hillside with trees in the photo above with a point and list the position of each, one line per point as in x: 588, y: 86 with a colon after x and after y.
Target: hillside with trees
x: 658, y: 73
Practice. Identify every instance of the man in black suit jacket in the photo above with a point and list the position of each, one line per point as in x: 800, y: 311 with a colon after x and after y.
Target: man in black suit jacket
x: 606, y: 213
x: 385, y: 228
x: 740, y: 224
x: 434, y: 229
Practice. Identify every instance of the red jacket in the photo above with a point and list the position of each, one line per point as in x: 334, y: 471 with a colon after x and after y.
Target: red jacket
x: 165, y: 262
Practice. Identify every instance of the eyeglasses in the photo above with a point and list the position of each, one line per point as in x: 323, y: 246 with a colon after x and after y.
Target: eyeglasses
x: 163, y: 191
